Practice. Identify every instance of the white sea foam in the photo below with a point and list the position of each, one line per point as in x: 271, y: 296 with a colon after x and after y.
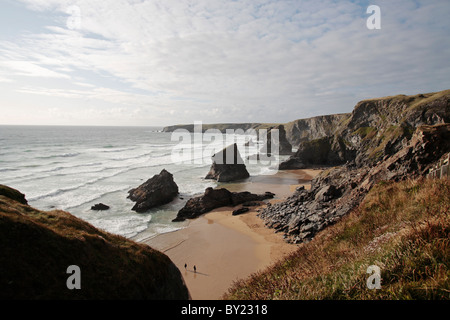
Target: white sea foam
x: 75, y: 168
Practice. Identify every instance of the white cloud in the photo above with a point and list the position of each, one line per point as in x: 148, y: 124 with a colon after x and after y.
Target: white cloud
x: 220, y: 61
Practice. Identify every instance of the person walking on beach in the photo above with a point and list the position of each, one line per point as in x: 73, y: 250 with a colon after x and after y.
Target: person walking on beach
x: 185, y: 266
x: 195, y: 269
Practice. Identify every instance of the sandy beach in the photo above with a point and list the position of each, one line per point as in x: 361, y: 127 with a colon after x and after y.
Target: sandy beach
x: 225, y: 248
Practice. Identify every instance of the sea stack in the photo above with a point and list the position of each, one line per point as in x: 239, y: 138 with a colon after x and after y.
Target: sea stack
x: 228, y: 165
x: 158, y: 190
x: 280, y: 142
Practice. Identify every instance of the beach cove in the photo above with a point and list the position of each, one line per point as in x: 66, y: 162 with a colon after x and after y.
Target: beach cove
x: 225, y: 248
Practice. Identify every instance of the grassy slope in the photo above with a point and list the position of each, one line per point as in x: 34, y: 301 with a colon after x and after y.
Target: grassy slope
x: 401, y: 227
x: 36, y: 247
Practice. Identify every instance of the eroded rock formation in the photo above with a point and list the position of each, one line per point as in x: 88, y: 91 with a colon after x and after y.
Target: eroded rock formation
x: 216, y: 198
x: 228, y: 165
x: 156, y: 191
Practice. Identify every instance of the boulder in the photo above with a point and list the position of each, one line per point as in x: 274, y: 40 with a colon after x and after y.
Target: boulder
x: 216, y: 198
x: 158, y: 190
x: 100, y: 207
x: 240, y: 211
x: 228, y: 165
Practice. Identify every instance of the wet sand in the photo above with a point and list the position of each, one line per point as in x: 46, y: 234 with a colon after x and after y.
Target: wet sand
x: 225, y: 248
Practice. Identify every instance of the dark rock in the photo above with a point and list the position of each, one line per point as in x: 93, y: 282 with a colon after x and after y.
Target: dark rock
x: 12, y: 194
x: 240, y: 211
x: 291, y: 164
x: 251, y: 204
x: 100, y: 207
x: 158, y: 190
x: 276, y: 140
x: 216, y: 198
x: 327, y: 193
x: 228, y: 165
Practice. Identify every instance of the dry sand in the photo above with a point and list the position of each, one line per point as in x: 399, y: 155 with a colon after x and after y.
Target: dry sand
x: 225, y: 248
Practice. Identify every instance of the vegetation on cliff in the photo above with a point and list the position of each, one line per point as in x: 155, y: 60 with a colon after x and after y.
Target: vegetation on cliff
x: 401, y: 227
x: 37, y: 247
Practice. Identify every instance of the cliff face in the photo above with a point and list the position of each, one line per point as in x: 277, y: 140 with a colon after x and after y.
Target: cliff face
x: 295, y: 131
x: 392, y: 138
x: 338, y: 190
x: 37, y: 248
x: 376, y: 129
x: 302, y: 130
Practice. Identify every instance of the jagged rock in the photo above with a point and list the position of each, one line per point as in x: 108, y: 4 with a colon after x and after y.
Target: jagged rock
x: 216, y: 198
x: 327, y: 193
x: 280, y: 143
x: 158, y: 190
x: 100, y: 207
x: 228, y: 165
x: 375, y: 130
x: 337, y: 191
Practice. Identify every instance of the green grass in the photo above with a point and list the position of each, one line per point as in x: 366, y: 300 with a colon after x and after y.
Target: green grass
x: 401, y: 227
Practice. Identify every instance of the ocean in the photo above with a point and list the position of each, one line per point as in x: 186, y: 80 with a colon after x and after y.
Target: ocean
x: 72, y: 168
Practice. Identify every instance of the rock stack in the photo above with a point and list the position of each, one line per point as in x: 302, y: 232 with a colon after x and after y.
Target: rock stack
x: 158, y: 190
x: 228, y: 165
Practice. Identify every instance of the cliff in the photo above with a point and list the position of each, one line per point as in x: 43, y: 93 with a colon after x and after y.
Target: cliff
x: 376, y: 129
x: 37, y: 247
x: 296, y: 131
x: 392, y: 138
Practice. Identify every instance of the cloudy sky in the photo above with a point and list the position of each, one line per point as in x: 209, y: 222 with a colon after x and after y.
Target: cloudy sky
x: 163, y: 62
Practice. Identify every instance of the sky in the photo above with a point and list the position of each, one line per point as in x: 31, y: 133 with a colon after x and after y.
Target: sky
x: 165, y: 62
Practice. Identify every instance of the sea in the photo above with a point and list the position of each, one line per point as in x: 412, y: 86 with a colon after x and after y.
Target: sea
x: 72, y: 168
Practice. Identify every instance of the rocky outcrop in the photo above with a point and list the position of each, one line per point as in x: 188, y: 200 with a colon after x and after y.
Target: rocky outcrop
x: 228, y: 165
x: 338, y: 190
x: 13, y: 194
x: 37, y: 248
x: 309, y: 129
x: 376, y: 129
x: 297, y: 131
x: 158, y: 190
x: 100, y: 207
x: 216, y: 198
x: 276, y: 143
x: 326, y: 151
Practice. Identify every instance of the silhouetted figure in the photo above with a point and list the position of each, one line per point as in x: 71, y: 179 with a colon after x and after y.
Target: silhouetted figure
x: 185, y: 266
x: 195, y: 269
